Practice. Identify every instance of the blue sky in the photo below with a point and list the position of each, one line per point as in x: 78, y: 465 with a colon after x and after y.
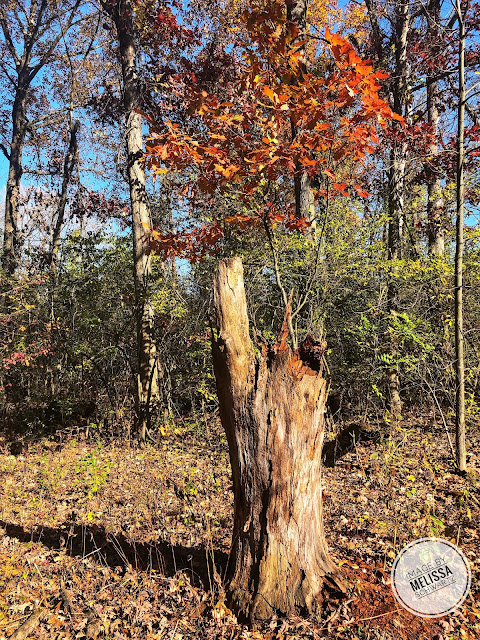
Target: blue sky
x: 3, y: 172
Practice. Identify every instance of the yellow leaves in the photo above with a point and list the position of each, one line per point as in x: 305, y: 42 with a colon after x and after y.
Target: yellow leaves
x: 164, y: 430
x: 220, y: 611
x: 270, y: 93
x: 278, y: 31
x: 295, y: 59
x: 8, y: 567
x: 228, y: 171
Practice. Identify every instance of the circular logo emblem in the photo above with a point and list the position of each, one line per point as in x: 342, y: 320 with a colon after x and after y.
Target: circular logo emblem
x: 431, y: 577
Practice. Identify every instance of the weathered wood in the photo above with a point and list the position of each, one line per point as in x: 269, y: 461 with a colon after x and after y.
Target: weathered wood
x: 272, y: 403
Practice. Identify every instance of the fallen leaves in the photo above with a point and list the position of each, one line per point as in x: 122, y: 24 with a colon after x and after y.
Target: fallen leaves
x: 136, y: 558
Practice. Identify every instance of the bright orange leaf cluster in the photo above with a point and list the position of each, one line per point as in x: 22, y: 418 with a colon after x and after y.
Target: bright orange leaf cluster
x: 251, y: 137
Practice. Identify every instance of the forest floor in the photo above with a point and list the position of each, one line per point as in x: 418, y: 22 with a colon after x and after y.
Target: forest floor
x: 103, y: 540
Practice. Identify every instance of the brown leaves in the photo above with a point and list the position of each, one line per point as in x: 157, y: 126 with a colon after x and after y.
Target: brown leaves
x: 180, y: 491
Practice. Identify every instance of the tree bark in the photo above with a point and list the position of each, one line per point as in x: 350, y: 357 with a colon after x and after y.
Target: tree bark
x: 147, y: 374
x: 394, y: 238
x: 15, y: 172
x: 68, y: 167
x: 435, y: 201
x: 397, y: 96
x: 396, y: 188
x: 304, y: 198
x: 272, y: 403
x: 459, y: 339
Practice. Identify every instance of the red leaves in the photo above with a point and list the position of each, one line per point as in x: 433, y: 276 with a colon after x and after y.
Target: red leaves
x: 193, y: 245
x: 264, y: 127
x: 360, y: 191
x: 242, y: 221
x: 158, y: 25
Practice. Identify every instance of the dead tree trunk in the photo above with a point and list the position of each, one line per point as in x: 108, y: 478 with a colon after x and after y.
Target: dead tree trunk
x: 272, y: 403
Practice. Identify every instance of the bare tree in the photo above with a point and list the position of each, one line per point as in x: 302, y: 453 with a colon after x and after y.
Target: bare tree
x: 31, y: 33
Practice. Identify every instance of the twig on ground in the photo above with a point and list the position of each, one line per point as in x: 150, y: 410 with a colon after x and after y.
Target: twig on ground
x: 29, y: 625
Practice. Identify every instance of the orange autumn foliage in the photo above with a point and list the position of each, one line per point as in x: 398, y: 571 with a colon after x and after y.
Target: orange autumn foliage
x: 250, y: 136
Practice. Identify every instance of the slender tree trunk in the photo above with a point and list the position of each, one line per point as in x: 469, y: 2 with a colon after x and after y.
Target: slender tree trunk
x: 396, y: 190
x: 397, y: 95
x: 15, y: 172
x: 272, y: 403
x: 68, y: 167
x: 33, y: 30
x: 459, y: 341
x: 435, y: 201
x: 394, y: 240
x: 147, y: 374
x: 304, y: 198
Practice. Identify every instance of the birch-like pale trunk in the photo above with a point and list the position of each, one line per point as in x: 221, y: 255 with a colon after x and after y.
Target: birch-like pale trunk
x: 435, y: 200
x: 147, y: 390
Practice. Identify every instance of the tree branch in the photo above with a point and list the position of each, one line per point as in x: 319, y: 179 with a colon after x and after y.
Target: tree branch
x: 278, y: 278
x: 8, y: 38
x: 3, y: 149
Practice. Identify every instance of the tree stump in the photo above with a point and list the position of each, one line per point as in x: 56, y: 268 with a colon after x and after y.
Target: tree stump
x: 272, y: 404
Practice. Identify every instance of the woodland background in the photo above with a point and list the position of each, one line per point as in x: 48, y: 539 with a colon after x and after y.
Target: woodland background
x: 99, y: 346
